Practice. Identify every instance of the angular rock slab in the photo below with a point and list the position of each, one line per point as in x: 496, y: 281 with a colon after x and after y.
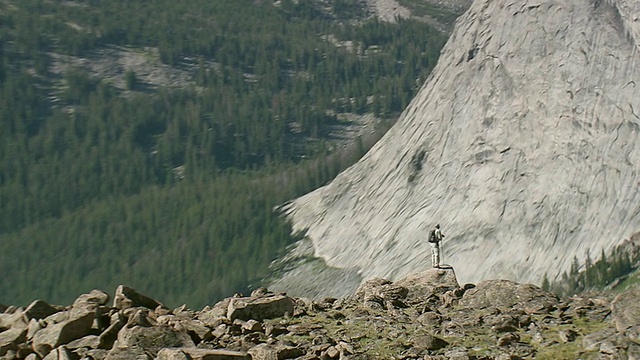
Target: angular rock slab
x: 10, y: 339
x: 201, y: 354
x: 61, y: 353
x: 39, y: 310
x: 57, y: 334
x: 625, y: 310
x: 127, y: 297
x: 260, y: 308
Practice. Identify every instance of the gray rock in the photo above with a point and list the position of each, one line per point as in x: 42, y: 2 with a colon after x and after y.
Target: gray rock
x: 429, y: 342
x: 625, y: 310
x: 195, y: 328
x: 429, y: 282
x: 110, y: 334
x: 39, y: 310
x: 139, y: 317
x: 508, y: 339
x: 595, y: 341
x: 95, y: 354
x: 153, y: 339
x: 88, y: 342
x: 128, y: 353
x: 503, y: 146
x: 633, y: 333
x: 568, y: 335
x: 33, y: 327
x: 633, y: 352
x: 252, y: 326
x: 507, y: 294
x: 457, y: 354
x: 381, y: 293
x: 276, y: 351
x: 201, y: 354
x: 13, y: 319
x: 172, y: 354
x: 33, y: 356
x: 98, y: 297
x: 56, y: 334
x: 61, y: 353
x: 126, y: 297
x: 212, y: 316
x: 10, y: 339
x: 260, y: 308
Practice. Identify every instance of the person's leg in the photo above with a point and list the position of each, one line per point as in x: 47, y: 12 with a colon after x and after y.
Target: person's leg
x: 435, y: 256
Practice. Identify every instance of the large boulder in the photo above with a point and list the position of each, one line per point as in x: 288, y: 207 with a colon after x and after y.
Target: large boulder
x: 153, y: 339
x: 127, y: 297
x: 260, y: 308
x: 380, y: 293
x: 58, y: 333
x: 202, y: 354
x: 14, y: 319
x: 195, y: 328
x: 97, y: 297
x: 429, y: 342
x: 434, y: 281
x: 625, y: 310
x: 507, y: 294
x: 10, y: 339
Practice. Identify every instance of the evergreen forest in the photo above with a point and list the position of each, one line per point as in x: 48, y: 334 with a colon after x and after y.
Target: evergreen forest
x: 171, y: 187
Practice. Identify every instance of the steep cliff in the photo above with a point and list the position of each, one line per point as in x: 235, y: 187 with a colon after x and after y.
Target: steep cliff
x: 523, y: 144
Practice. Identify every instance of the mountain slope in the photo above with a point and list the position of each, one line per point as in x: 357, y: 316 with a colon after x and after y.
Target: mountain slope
x: 522, y: 144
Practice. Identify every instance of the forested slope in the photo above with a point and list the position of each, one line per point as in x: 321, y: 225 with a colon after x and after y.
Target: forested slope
x: 171, y: 189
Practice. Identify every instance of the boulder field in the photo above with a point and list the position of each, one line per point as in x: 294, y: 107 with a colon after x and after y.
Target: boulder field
x: 425, y: 315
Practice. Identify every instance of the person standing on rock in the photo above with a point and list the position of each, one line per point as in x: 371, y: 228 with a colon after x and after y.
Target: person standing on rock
x: 435, y: 236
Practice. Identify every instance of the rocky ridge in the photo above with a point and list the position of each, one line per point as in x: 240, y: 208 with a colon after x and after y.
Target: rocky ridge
x: 426, y: 315
x: 523, y: 144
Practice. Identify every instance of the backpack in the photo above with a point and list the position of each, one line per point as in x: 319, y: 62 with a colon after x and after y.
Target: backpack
x: 432, y: 236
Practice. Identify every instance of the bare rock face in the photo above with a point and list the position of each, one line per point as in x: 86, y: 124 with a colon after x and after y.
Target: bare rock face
x: 523, y: 144
x: 625, y: 310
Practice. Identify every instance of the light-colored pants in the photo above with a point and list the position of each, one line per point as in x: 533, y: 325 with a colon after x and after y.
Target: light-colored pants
x: 435, y: 254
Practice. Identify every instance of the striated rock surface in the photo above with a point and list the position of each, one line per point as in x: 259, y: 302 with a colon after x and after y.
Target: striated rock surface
x: 523, y: 144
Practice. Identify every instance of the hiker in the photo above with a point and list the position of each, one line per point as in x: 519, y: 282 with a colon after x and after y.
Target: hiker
x: 435, y: 236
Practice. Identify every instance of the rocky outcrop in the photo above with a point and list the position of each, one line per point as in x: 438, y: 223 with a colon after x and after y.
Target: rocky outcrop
x: 523, y: 144
x: 260, y: 307
x: 625, y: 310
x: 426, y: 315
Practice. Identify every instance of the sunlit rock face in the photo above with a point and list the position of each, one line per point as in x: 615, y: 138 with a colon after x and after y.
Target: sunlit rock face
x: 523, y: 144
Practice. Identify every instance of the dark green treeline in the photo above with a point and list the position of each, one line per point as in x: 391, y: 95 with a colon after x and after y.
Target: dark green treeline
x: 172, y: 190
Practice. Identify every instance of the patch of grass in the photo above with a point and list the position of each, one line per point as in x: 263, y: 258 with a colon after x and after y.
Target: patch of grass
x: 569, y: 350
x: 630, y: 282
